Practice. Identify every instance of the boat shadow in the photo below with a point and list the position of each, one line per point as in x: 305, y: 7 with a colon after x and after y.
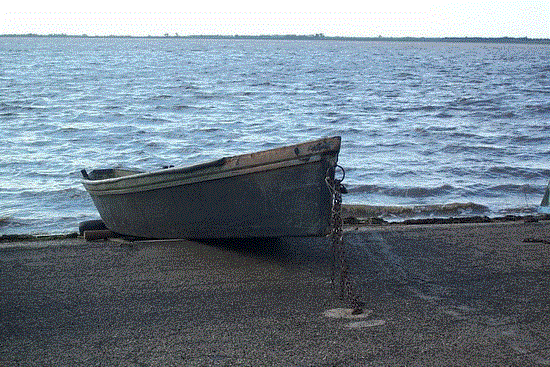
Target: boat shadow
x: 307, y: 251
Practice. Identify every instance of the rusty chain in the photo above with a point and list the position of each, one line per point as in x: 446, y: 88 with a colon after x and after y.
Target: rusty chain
x: 336, y: 237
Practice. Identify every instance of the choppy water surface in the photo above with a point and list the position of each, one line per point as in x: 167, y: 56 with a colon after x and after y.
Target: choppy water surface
x: 421, y: 123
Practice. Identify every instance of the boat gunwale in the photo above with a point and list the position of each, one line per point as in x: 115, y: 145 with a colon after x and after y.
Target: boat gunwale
x: 218, y: 169
x: 211, y: 176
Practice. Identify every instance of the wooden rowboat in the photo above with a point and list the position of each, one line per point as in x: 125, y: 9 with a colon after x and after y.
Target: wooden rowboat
x: 273, y: 193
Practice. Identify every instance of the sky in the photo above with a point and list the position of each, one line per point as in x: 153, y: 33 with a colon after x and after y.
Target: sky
x: 351, y: 18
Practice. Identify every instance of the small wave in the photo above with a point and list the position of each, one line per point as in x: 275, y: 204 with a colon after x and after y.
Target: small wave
x: 459, y: 148
x: 410, y: 192
x: 160, y: 97
x: 421, y: 192
x: 528, y: 209
x: 391, y: 119
x: 471, y: 101
x: 6, y: 107
x: 427, y: 108
x: 264, y: 84
x: 71, y: 128
x: 350, y: 130
x: 517, y: 172
x: 536, y: 91
x: 183, y: 107
x: 365, y: 188
x: 207, y: 96
x: 314, y: 71
x: 443, y: 115
x: 539, y: 108
x: 206, y: 129
x: 67, y: 193
x: 404, y: 75
x: 441, y: 128
x: 451, y: 209
x: 189, y: 87
x: 420, y: 131
x: 517, y: 189
x: 4, y: 220
x: 148, y: 119
x: 8, y: 221
x: 398, y: 144
x: 523, y: 139
x: 342, y: 82
x: 505, y: 115
x: 464, y: 135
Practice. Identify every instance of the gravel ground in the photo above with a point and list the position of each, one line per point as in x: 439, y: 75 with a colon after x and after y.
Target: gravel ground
x: 440, y: 295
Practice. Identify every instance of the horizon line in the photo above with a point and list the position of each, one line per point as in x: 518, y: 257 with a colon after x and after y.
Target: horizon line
x: 317, y: 36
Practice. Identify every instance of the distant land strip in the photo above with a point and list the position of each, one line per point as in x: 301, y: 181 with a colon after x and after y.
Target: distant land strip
x: 316, y: 37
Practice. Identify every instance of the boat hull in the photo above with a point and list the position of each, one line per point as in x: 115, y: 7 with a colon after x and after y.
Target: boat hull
x: 282, y: 195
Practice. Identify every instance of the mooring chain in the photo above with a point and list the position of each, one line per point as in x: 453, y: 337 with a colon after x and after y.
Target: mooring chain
x: 336, y: 237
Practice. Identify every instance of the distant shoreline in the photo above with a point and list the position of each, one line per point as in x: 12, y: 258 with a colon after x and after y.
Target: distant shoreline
x: 314, y: 37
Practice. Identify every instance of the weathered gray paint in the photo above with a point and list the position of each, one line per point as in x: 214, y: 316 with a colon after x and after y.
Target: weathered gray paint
x: 275, y: 193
